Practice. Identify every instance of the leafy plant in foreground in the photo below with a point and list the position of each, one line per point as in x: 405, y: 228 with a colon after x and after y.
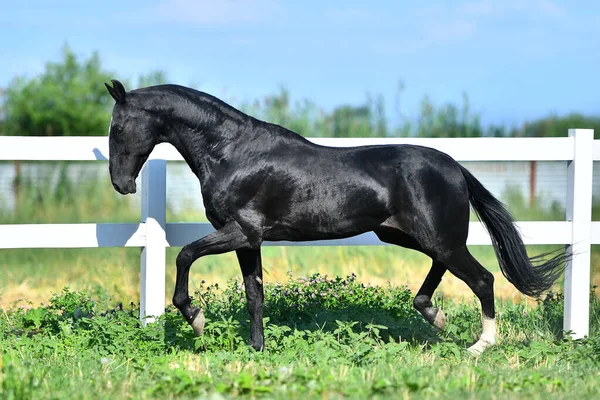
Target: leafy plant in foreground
x: 338, y: 349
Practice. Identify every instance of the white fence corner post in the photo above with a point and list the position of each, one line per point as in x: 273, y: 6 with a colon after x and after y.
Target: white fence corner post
x: 579, y: 212
x: 153, y: 258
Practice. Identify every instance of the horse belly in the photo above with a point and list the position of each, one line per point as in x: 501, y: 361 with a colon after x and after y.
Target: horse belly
x: 332, y: 217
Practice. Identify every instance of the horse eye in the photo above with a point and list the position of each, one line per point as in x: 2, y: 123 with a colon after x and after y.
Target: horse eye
x: 119, y: 130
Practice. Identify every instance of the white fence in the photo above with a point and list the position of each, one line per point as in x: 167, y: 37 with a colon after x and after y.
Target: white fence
x: 154, y: 234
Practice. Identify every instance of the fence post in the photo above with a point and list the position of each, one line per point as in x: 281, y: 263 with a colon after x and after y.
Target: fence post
x: 579, y: 212
x: 153, y: 258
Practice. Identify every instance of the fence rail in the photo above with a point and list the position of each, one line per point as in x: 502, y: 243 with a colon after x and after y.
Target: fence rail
x: 153, y: 234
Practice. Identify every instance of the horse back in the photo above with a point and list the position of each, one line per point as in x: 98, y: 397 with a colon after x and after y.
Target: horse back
x: 314, y: 192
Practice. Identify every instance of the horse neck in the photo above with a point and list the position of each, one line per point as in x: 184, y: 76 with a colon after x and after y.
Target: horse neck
x: 205, y: 143
x: 207, y: 131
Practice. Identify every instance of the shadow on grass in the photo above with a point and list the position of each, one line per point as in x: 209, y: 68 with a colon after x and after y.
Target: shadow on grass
x: 411, y: 328
x: 400, y: 324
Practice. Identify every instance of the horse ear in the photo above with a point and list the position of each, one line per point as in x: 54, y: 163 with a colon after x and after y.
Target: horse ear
x: 117, y: 91
x: 111, y: 91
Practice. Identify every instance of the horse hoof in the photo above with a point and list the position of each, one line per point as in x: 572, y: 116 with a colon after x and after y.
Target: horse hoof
x: 440, y: 320
x: 478, y: 348
x: 198, y: 323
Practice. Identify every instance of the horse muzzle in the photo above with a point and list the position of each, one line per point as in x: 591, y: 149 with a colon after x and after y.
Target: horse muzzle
x: 125, y: 187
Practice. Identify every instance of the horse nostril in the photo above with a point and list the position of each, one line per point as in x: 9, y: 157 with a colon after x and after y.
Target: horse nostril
x: 116, y: 187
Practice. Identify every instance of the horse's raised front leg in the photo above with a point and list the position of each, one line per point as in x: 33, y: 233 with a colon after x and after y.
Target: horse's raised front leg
x: 228, y: 238
x: 251, y: 265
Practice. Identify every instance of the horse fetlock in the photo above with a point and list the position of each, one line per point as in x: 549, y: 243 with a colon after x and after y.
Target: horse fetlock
x: 434, y: 316
x: 197, y: 321
x: 422, y: 303
x: 487, y: 338
x: 181, y: 301
x: 488, y: 333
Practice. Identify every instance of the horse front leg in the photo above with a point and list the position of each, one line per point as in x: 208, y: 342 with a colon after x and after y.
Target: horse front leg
x: 251, y: 265
x: 228, y: 238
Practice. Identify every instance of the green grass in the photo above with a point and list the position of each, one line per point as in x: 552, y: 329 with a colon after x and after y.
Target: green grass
x: 365, y: 342
x: 325, y: 338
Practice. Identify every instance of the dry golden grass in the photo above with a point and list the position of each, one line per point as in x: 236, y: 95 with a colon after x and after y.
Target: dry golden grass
x: 37, y: 274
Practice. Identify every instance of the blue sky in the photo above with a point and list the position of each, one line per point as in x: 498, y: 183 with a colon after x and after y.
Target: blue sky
x: 517, y: 60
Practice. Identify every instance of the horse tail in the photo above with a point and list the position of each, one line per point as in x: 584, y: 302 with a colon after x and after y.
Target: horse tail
x: 530, y: 276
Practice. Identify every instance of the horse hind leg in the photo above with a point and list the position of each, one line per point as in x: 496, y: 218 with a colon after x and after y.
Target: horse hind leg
x: 465, y: 267
x: 422, y: 301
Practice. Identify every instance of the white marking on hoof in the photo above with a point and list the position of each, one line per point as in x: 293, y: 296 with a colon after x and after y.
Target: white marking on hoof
x: 258, y: 280
x: 440, y: 320
x: 487, y: 338
x: 478, y: 348
x: 198, y: 324
x: 488, y: 334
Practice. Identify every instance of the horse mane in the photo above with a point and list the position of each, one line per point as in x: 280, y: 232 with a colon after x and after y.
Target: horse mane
x: 199, y: 109
x: 186, y: 102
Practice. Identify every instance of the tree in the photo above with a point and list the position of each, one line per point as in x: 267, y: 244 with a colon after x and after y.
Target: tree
x: 152, y: 78
x: 2, y: 111
x: 67, y: 99
x: 448, y: 120
x: 554, y: 126
x: 351, y: 121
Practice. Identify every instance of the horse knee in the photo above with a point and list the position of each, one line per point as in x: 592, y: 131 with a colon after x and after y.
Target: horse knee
x: 184, y: 258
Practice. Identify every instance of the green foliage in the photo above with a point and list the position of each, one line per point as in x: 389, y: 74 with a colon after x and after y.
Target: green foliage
x: 302, y: 303
x: 369, y: 120
x: 306, y: 118
x: 67, y: 99
x: 448, y: 120
x: 152, y: 78
x: 54, y: 351
x: 554, y: 125
x: 2, y: 111
x: 365, y: 120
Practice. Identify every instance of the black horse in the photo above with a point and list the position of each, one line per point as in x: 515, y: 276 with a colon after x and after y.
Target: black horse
x: 261, y: 182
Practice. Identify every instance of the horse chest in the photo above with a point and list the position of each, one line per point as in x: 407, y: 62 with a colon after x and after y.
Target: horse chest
x: 215, y: 206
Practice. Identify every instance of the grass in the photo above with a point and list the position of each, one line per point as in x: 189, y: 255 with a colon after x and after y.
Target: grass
x: 325, y: 338
x: 351, y: 339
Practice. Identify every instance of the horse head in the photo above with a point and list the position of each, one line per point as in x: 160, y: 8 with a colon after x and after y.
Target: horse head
x: 133, y: 133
